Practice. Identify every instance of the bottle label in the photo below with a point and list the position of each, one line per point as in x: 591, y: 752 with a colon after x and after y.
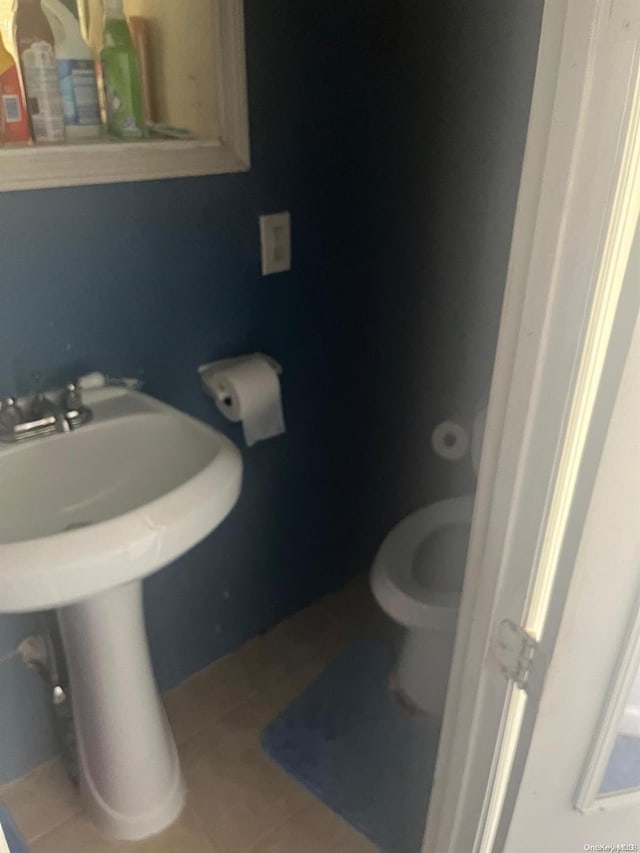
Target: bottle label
x: 79, y: 92
x: 14, y: 125
x: 43, y: 92
x: 123, y: 95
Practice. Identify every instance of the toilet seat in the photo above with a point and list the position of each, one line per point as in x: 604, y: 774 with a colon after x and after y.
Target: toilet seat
x: 393, y: 579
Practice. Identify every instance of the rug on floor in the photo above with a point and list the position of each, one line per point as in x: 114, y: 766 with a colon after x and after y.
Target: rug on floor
x: 347, y: 739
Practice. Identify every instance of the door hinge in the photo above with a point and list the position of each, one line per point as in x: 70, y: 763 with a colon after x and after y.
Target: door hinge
x: 518, y: 655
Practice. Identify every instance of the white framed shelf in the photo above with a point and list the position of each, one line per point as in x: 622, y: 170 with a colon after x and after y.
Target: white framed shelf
x: 106, y: 161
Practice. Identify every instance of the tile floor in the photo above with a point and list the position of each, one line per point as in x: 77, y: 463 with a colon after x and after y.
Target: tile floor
x: 238, y: 801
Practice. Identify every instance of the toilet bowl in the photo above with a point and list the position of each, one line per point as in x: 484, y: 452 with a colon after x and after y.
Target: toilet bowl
x: 417, y: 579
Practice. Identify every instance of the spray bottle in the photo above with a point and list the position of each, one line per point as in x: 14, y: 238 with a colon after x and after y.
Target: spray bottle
x: 121, y: 75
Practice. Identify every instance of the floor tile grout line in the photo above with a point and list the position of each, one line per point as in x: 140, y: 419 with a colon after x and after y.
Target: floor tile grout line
x: 22, y: 779
x: 51, y: 829
x: 333, y: 622
x: 267, y: 833
x: 203, y: 829
x: 294, y: 812
x: 244, y: 702
x: 39, y: 768
x: 218, y: 719
x: 253, y: 694
x: 77, y: 810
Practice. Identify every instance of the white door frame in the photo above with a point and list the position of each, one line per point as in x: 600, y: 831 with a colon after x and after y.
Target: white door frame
x: 577, y: 212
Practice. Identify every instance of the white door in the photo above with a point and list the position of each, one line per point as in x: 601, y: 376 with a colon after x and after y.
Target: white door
x: 580, y: 789
x: 570, y: 307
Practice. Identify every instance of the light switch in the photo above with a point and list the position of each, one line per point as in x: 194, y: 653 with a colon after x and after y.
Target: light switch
x: 275, y: 242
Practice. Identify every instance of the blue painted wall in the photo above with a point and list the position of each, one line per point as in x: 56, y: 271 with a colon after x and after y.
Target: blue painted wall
x: 448, y: 160
x: 350, y: 114
x: 153, y: 279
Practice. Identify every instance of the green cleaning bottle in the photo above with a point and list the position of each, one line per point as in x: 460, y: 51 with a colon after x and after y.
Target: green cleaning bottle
x: 121, y: 75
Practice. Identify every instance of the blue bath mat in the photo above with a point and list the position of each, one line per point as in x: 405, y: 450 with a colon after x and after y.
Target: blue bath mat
x: 349, y: 742
x: 15, y: 841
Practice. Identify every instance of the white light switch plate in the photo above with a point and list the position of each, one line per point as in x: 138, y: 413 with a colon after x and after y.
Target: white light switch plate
x: 275, y: 242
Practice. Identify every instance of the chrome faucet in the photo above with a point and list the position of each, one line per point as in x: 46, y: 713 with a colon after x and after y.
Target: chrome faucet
x: 41, y: 415
x: 74, y: 411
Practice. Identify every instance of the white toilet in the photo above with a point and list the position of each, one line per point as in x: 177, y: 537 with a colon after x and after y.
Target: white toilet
x: 417, y: 579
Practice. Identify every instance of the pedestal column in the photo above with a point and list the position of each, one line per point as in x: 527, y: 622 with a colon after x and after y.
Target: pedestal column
x: 129, y: 769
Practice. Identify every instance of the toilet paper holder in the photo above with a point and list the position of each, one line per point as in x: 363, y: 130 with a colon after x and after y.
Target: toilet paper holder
x: 222, y: 363
x: 246, y: 389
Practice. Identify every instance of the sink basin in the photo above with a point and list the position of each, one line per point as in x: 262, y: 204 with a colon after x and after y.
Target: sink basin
x: 111, y: 502
x: 84, y: 517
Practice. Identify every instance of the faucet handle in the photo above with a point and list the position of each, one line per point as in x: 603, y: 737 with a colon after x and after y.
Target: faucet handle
x: 10, y: 413
x: 72, y: 398
x: 74, y: 410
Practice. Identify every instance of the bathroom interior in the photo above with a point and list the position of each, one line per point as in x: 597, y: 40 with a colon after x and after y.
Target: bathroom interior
x: 394, y: 134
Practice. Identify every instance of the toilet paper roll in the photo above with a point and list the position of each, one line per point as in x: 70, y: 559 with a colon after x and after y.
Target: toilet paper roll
x: 449, y: 440
x: 247, y: 389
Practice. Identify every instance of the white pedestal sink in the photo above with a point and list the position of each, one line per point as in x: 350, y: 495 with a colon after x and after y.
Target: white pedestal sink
x: 84, y: 517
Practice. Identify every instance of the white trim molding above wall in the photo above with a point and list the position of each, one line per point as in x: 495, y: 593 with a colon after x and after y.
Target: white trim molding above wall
x: 104, y: 162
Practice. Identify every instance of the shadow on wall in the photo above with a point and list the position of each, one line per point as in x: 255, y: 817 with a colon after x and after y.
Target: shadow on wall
x: 449, y: 157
